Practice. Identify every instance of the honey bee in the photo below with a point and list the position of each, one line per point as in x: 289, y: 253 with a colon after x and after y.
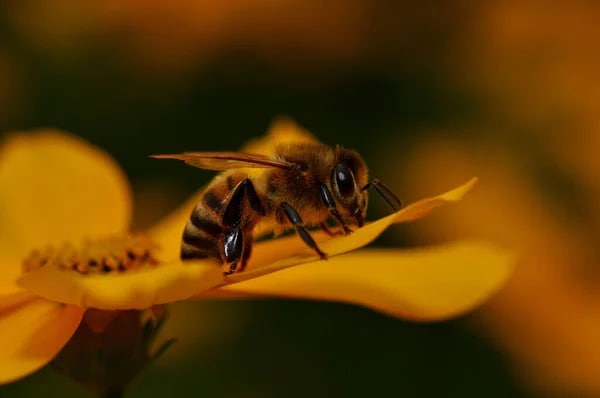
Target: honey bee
x: 304, y: 185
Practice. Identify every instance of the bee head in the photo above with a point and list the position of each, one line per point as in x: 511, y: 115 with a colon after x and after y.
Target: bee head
x: 348, y: 175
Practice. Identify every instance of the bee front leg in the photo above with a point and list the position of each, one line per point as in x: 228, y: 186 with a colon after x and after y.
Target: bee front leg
x: 293, y: 216
x: 330, y: 203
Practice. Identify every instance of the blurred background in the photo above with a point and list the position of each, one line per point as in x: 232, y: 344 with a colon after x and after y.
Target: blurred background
x: 429, y: 94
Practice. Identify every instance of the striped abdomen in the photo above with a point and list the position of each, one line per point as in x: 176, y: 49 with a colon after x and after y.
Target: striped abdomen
x: 203, y: 232
x: 201, y: 235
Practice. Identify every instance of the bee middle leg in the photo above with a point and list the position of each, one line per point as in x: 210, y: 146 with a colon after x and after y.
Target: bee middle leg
x: 325, y: 228
x: 237, y: 246
x: 327, y: 199
x: 293, y: 216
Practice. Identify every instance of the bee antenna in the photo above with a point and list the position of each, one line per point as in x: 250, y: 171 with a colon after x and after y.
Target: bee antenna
x: 385, y: 193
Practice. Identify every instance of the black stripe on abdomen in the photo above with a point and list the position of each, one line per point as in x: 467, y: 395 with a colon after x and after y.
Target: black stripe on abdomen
x: 200, y: 241
x: 204, y: 224
x: 198, y: 237
x: 189, y: 252
x: 212, y: 201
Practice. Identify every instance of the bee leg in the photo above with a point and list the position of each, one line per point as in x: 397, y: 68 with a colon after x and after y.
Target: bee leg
x: 240, y: 264
x: 245, y: 255
x: 231, y: 270
x: 237, y: 250
x: 233, y: 212
x: 233, y: 245
x: 293, y: 216
x: 328, y: 231
x: 330, y: 203
x: 236, y: 246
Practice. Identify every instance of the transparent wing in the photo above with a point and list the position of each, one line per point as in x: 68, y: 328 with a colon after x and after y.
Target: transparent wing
x: 226, y: 160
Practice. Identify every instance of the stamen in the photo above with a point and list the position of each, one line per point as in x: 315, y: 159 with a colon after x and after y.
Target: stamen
x: 111, y: 254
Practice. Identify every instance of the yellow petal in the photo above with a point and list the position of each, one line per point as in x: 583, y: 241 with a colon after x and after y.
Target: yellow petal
x: 167, y: 233
x: 176, y: 281
x: 136, y: 289
x: 32, y: 333
x: 419, y: 284
x: 54, y: 188
x: 422, y: 207
x: 8, y: 301
x: 282, y: 129
x: 11, y: 270
x: 282, y: 253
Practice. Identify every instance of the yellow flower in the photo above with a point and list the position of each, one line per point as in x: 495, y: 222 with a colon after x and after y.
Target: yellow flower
x: 54, y: 188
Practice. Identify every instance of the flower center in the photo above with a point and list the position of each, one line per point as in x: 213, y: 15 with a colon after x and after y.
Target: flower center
x: 111, y: 254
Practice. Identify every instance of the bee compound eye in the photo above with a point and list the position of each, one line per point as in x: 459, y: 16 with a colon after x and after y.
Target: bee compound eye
x: 343, y: 180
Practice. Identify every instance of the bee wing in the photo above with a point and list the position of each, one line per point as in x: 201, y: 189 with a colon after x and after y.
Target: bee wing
x: 226, y: 160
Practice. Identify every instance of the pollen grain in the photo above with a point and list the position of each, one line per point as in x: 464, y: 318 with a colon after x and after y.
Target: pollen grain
x: 99, y: 256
